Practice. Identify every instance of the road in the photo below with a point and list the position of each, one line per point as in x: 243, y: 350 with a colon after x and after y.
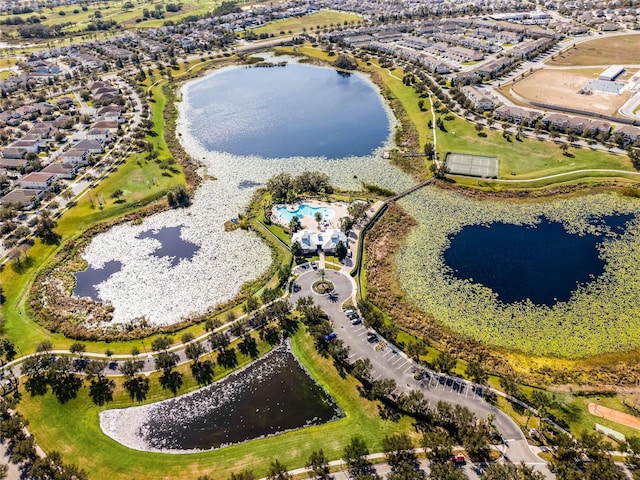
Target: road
x: 390, y: 362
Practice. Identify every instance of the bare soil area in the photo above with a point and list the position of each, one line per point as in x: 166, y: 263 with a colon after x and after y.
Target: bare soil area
x: 614, y: 415
x: 562, y: 88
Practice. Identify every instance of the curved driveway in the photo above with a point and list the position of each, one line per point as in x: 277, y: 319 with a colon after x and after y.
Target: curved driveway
x: 390, y: 362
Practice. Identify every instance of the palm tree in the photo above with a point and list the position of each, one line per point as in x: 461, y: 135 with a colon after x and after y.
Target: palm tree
x: 318, y: 217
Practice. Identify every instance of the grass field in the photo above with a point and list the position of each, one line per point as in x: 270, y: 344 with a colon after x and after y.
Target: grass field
x: 617, y: 49
x: 562, y: 87
x: 314, y: 21
x: 115, y: 10
x: 73, y: 429
x: 529, y: 158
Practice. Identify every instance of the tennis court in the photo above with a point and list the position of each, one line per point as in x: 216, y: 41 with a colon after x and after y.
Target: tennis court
x: 473, y: 165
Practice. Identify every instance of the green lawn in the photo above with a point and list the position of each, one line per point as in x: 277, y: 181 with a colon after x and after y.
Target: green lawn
x: 310, y: 22
x: 530, y: 158
x: 73, y: 429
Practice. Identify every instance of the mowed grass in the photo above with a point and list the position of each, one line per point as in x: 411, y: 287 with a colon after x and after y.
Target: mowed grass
x: 74, y: 430
x: 530, y: 158
x: 618, y: 49
x: 313, y: 21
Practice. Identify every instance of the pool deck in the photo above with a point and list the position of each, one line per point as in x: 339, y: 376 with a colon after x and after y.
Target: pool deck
x: 340, y: 209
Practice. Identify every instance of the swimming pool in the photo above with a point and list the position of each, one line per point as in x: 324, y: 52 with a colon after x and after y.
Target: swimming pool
x: 304, y: 210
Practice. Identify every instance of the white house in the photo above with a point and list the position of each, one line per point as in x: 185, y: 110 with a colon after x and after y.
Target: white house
x: 37, y: 181
x: 312, y: 241
x: 76, y: 156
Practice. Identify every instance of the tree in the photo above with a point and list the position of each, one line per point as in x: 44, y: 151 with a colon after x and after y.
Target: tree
x: 438, y: 445
x: 162, y: 342
x: 227, y: 358
x: 247, y: 475
x: 36, y: 368
x: 250, y: 305
x: 296, y: 249
x: 445, y: 362
x: 341, y: 250
x: 248, y: 346
x: 202, y: 371
x: 44, y: 228
x: 319, y: 464
x: 101, y: 388
x: 416, y: 349
x: 476, y: 373
x: 510, y: 471
x: 78, y: 349
x: 218, y: 340
x: 346, y: 224
x: 279, y: 186
x: 64, y: 384
x: 318, y: 217
x: 399, y: 451
x: 446, y: 471
x: 194, y: 351
x: 278, y: 471
x: 429, y: 150
x: 355, y: 454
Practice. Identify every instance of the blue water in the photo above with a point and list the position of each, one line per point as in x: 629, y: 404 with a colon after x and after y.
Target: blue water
x: 172, y: 245
x: 304, y: 210
x: 297, y: 110
x: 87, y: 280
x: 543, y: 263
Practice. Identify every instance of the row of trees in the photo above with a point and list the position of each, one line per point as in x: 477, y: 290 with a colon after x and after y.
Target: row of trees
x: 284, y: 187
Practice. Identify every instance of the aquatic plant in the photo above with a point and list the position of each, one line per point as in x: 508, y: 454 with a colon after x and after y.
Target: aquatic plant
x: 599, y: 317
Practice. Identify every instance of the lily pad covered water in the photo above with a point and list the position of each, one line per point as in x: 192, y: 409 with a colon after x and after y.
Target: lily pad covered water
x: 598, y: 315
x: 150, y: 287
x: 272, y: 395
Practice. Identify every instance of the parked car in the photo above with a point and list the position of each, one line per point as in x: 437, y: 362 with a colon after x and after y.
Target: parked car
x: 331, y: 336
x: 314, y: 265
x: 372, y: 337
x: 348, y: 313
x: 356, y: 321
x: 458, y: 459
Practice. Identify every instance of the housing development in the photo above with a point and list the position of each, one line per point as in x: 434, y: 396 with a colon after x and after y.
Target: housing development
x: 331, y: 239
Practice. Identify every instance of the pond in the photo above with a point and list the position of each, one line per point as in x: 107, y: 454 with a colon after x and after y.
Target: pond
x: 273, y: 395
x: 542, y: 262
x: 171, y: 247
x: 549, y: 277
x: 87, y: 280
x: 288, y: 111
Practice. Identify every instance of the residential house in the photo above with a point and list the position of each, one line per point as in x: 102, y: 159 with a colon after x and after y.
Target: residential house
x: 92, y: 146
x: 480, y: 99
x: 27, y: 199
x: 516, y: 115
x: 15, y: 152
x: 13, y: 163
x: 631, y: 134
x: 37, y: 181
x: 67, y: 171
x: 101, y: 134
x: 76, y: 156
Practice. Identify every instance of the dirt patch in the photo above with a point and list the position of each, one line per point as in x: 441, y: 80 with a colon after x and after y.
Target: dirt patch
x: 562, y: 88
x: 614, y: 415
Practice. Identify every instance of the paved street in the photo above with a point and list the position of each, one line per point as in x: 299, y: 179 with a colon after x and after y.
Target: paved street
x: 389, y: 362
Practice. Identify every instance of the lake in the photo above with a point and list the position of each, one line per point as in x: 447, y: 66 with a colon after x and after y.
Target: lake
x: 291, y: 111
x: 270, y: 396
x: 540, y: 262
